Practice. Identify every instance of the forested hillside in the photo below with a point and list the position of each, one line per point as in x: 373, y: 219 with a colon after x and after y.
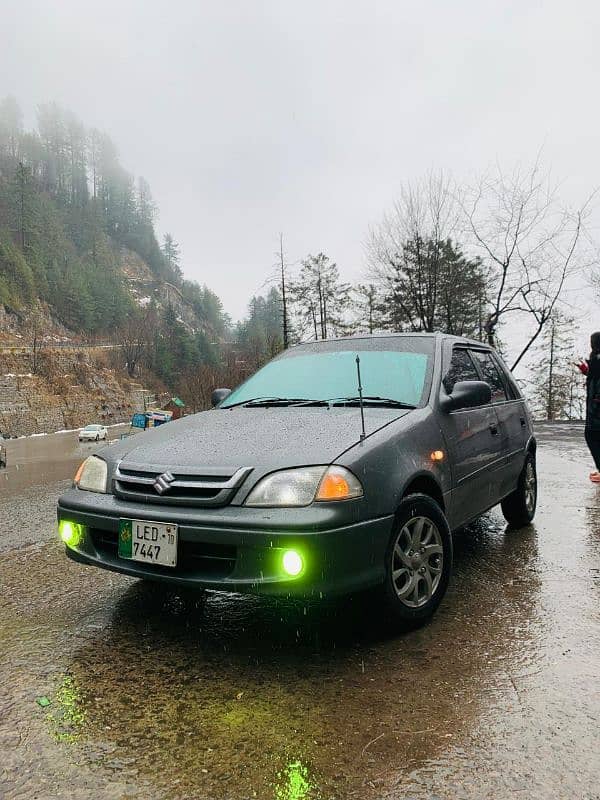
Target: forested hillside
x: 73, y: 221
x: 80, y: 260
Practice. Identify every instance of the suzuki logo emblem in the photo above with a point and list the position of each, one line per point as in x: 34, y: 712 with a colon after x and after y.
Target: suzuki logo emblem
x: 163, y: 483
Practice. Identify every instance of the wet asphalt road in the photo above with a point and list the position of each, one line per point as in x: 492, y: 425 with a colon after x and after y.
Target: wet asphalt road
x: 153, y: 695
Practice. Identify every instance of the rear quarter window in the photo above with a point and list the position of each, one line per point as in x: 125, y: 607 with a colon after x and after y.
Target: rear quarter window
x: 490, y: 373
x: 514, y: 393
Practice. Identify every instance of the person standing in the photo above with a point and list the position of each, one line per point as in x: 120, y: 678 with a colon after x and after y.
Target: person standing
x: 591, y: 369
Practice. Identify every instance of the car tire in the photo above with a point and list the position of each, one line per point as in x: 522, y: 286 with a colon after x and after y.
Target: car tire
x: 416, y: 582
x: 519, y: 507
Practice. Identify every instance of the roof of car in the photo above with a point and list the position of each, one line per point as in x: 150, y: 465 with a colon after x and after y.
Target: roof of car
x: 384, y: 335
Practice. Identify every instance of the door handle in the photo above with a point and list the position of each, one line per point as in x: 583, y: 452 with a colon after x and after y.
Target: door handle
x: 494, y: 429
x: 523, y: 423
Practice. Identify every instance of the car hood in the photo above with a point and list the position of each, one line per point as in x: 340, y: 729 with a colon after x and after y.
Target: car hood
x: 268, y: 438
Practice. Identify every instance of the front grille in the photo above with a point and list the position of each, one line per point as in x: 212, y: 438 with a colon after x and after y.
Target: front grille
x: 177, y: 487
x: 203, y: 559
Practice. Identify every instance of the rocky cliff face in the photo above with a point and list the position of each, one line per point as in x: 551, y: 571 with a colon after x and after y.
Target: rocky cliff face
x: 69, y: 389
x: 72, y: 383
x: 144, y: 288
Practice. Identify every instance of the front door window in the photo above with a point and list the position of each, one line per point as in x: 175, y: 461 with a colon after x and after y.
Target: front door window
x: 461, y: 369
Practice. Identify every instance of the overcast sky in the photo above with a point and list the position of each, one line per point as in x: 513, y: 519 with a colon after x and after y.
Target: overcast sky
x: 250, y: 118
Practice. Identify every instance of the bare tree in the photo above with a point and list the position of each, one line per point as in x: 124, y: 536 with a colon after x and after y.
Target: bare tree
x: 284, y: 296
x: 197, y: 383
x: 34, y: 331
x: 279, y: 277
x: 531, y: 243
x: 135, y: 336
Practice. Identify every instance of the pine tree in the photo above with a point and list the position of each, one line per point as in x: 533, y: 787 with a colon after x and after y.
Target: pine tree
x: 555, y: 388
x: 367, y: 304
x: 23, y: 190
x: 320, y: 298
x: 67, y: 207
x: 170, y: 251
x: 259, y: 336
x: 430, y: 285
x: 11, y: 128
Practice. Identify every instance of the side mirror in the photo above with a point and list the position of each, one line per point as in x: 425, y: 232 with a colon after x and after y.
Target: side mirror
x: 467, y: 394
x: 218, y: 395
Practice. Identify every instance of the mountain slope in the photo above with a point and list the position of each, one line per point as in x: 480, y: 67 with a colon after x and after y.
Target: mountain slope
x: 74, y: 225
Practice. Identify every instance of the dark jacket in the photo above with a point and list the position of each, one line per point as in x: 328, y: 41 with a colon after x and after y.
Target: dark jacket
x: 592, y: 416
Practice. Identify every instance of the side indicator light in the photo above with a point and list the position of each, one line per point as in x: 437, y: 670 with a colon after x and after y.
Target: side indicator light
x: 437, y: 455
x: 77, y: 477
x: 333, y: 487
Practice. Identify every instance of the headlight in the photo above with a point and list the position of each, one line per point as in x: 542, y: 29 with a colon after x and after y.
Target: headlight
x: 300, y: 487
x: 92, y: 475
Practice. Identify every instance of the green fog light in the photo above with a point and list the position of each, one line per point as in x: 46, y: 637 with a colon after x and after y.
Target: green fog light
x: 292, y: 563
x: 70, y: 532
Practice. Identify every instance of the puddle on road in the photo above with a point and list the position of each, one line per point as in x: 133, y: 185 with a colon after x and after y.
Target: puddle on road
x: 35, y: 460
x: 157, y: 695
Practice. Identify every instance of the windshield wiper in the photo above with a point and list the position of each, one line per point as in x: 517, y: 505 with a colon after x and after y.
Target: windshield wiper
x: 261, y: 402
x: 371, y: 400
x: 257, y: 402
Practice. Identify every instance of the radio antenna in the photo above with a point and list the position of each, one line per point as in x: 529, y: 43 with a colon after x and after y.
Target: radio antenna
x: 363, y: 435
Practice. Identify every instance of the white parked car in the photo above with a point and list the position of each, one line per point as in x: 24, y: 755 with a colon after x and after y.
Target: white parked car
x: 93, y: 433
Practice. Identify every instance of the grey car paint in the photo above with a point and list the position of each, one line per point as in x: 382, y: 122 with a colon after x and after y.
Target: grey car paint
x: 347, y: 540
x: 266, y: 439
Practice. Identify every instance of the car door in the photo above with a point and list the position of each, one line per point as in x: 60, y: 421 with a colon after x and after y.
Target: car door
x: 474, y: 444
x: 512, y: 415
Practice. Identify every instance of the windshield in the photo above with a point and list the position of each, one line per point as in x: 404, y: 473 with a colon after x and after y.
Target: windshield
x: 320, y: 375
x: 92, y: 427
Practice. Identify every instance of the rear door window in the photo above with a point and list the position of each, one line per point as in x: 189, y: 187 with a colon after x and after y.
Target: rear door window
x: 490, y: 374
x: 461, y: 369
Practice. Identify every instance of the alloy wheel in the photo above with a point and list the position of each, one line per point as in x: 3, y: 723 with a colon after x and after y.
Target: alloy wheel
x: 417, y: 562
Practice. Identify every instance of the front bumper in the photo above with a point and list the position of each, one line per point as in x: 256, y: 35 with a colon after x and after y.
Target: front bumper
x: 240, y: 549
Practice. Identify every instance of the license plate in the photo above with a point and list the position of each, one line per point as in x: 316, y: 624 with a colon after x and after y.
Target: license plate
x: 150, y: 542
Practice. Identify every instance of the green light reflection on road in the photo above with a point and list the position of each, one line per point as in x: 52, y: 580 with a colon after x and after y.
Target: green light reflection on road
x: 294, y: 783
x: 66, y: 715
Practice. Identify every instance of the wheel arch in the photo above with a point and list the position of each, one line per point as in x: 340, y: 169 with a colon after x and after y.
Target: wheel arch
x: 425, y: 483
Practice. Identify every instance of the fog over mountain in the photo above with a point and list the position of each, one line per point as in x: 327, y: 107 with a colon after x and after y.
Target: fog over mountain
x: 252, y: 118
